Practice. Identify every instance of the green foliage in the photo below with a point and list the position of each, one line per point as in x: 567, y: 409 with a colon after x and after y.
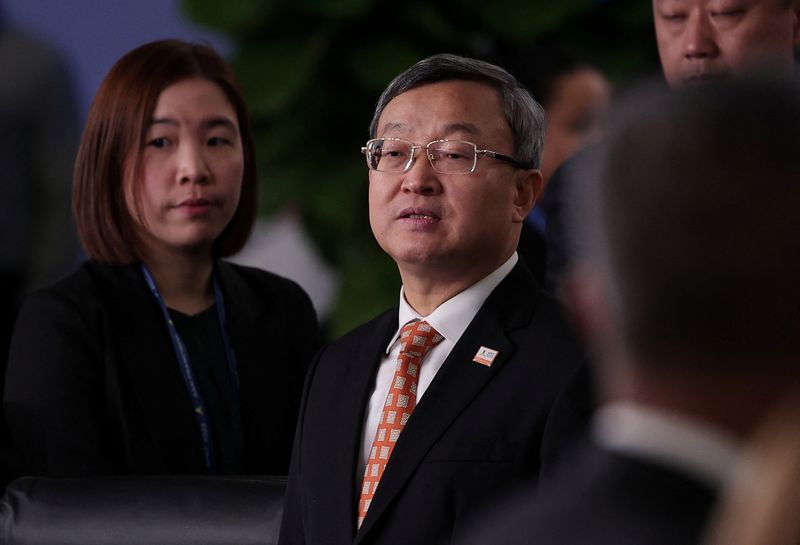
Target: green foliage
x: 312, y: 71
x: 531, y: 18
x: 236, y: 17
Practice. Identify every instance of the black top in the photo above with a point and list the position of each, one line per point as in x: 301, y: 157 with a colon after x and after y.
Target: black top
x: 533, y: 250
x: 202, y: 336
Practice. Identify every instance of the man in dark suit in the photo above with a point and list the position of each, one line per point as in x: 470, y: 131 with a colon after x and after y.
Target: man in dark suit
x: 699, y: 42
x: 453, y: 172
x: 687, y: 286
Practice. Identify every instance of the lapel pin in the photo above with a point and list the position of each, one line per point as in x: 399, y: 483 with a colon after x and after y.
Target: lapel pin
x: 485, y: 356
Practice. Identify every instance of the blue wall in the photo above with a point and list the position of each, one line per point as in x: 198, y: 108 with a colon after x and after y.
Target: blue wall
x: 92, y: 34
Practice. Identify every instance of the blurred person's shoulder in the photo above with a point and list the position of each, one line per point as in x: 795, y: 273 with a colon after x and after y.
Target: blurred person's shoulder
x: 601, y: 498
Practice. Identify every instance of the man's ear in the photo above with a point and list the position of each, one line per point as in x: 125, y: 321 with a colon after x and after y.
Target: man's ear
x: 527, y: 188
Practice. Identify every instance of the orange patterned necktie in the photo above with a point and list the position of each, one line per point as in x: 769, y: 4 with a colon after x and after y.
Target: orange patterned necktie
x: 416, y: 339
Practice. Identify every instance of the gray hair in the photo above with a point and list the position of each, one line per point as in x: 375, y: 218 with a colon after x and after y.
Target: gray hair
x: 524, y: 115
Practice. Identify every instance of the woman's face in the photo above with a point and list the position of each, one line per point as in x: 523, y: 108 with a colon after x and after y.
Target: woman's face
x: 574, y: 116
x: 191, y: 170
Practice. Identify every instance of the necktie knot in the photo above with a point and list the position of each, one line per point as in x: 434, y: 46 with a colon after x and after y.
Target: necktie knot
x: 417, y: 338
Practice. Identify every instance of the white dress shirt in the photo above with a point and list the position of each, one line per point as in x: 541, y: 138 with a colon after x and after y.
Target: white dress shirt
x: 450, y: 319
x: 677, y: 441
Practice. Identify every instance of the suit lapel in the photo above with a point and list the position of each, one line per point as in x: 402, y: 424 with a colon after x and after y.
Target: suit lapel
x: 456, y: 384
x: 248, y: 327
x: 243, y: 306
x: 362, y: 367
x: 252, y: 332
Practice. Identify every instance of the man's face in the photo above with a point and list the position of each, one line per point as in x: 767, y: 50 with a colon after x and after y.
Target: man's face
x: 450, y: 226
x: 703, y: 40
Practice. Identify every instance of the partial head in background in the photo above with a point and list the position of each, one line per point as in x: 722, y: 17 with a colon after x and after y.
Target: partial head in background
x: 118, y: 143
x: 692, y: 236
x: 706, y: 40
x: 575, y: 96
x: 437, y: 220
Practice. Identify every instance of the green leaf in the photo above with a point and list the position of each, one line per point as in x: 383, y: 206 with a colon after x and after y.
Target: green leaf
x: 375, y: 65
x: 236, y: 17
x: 336, y: 9
x: 370, y: 285
x: 520, y: 22
x: 274, y: 74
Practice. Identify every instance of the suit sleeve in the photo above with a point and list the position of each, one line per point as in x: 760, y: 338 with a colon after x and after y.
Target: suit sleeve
x: 292, y: 530
x: 305, y: 338
x: 306, y: 325
x: 53, y: 393
x: 568, y: 420
x: 556, y: 240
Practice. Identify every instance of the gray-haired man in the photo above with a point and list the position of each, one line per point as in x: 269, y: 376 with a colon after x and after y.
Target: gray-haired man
x: 391, y: 450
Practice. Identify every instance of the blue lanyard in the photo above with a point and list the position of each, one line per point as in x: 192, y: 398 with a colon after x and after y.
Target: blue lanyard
x: 203, y: 420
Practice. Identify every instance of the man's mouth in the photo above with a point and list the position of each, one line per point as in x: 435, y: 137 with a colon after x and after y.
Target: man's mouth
x: 418, y: 214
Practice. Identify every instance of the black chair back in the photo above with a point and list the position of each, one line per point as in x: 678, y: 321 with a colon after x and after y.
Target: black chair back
x: 173, y: 510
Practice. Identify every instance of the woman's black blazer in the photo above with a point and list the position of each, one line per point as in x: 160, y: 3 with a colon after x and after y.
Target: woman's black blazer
x: 93, y: 385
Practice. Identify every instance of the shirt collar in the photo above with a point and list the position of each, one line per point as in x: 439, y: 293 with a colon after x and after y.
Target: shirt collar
x: 688, y: 444
x: 452, y: 317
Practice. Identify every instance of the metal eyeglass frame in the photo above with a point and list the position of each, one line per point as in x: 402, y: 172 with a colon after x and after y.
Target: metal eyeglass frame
x: 411, y: 156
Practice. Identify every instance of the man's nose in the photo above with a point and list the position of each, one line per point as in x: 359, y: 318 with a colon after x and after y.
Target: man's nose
x: 421, y: 177
x: 699, y: 37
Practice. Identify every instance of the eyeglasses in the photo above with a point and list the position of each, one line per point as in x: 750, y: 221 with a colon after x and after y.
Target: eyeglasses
x: 446, y: 156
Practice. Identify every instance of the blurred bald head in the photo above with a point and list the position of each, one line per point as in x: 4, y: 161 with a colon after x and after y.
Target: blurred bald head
x: 690, y: 217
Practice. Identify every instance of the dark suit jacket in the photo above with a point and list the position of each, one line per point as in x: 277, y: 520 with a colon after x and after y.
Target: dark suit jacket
x: 532, y: 248
x: 604, y: 498
x: 558, y: 232
x: 94, y: 387
x: 563, y: 203
x: 476, y: 430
